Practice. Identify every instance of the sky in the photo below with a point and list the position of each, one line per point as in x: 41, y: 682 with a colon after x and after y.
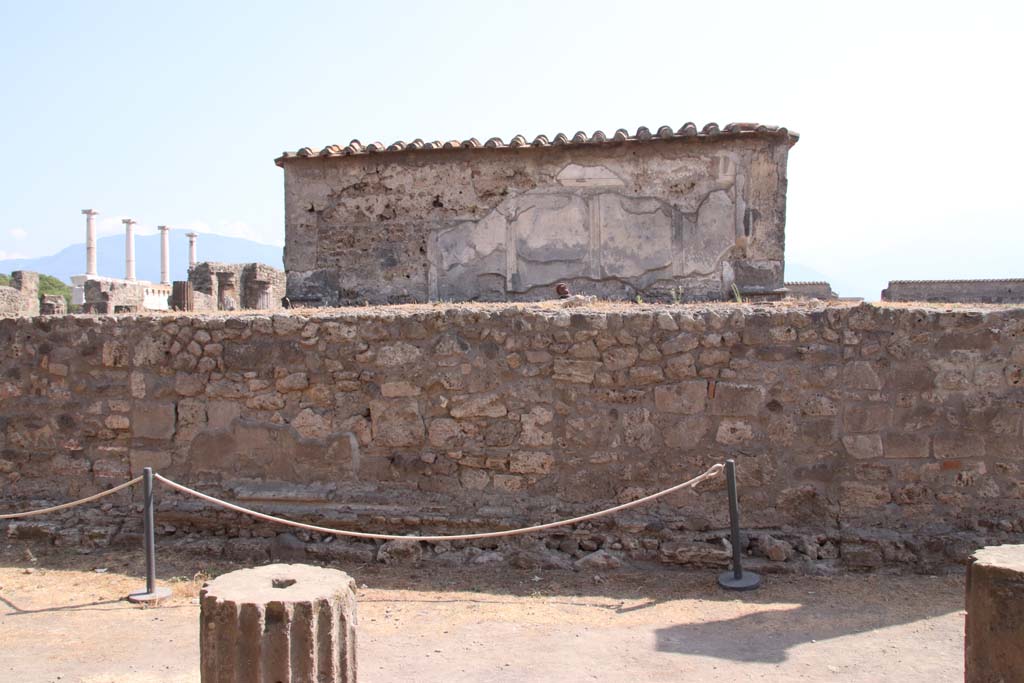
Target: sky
x: 908, y: 166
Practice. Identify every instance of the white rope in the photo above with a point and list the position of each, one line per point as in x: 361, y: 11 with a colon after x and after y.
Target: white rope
x: 711, y: 472
x: 75, y: 503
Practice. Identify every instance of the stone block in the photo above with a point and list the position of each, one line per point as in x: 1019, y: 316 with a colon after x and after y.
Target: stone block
x: 958, y: 445
x: 620, y: 358
x: 396, y: 422
x: 478, y: 405
x: 579, y: 371
x: 863, y: 446
x: 906, y: 445
x: 734, y: 432
x: 153, y: 420
x: 140, y: 459
x: 861, y: 375
x: 530, y: 462
x: 220, y: 414
x: 736, y: 400
x: 686, y: 398
x: 867, y: 417
x: 399, y: 389
x: 857, y: 496
x: 995, y: 615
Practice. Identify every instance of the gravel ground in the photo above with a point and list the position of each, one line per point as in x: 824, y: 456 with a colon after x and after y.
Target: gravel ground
x: 63, y: 618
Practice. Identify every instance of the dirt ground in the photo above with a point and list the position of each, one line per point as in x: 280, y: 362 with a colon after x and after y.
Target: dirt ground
x: 63, y: 618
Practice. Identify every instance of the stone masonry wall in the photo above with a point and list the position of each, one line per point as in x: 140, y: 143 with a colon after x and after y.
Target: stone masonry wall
x: 22, y: 297
x: 956, y: 291
x: 864, y: 435
x: 668, y: 219
x: 255, y: 286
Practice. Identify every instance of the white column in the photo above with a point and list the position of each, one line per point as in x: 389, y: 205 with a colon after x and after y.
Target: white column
x: 165, y: 254
x: 90, y: 242
x: 192, y: 249
x: 129, y: 248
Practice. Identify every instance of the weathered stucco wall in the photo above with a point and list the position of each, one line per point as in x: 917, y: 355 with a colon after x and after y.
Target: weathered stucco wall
x: 614, y: 219
x: 956, y: 291
x: 864, y: 435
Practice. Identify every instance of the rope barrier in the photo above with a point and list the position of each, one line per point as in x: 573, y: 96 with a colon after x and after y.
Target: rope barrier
x: 712, y: 471
x: 75, y: 503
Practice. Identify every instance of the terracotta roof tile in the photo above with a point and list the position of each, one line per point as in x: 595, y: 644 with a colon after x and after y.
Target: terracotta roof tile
x: 621, y: 135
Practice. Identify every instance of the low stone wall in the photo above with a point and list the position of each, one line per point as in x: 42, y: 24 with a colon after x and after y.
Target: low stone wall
x: 864, y: 435
x: 810, y: 290
x: 956, y: 291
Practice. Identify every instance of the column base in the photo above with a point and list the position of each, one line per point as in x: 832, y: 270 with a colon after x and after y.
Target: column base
x: 748, y: 581
x: 142, y: 596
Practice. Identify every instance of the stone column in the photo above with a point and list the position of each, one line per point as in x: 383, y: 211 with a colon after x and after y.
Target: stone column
x: 279, y: 622
x: 192, y: 249
x: 165, y: 255
x: 129, y: 248
x: 90, y: 242
x: 994, y: 646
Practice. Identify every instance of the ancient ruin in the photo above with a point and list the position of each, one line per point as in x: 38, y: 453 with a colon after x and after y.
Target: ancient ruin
x: 22, y: 297
x: 96, y: 293
x: 235, y: 286
x: 865, y: 435
x: 810, y: 290
x: 666, y: 215
x: 1005, y: 291
x: 280, y: 622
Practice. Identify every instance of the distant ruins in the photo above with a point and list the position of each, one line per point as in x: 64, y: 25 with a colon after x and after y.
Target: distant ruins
x: 1007, y: 291
x: 100, y: 294
x: 211, y: 286
x: 235, y: 286
x: 22, y: 297
x: 668, y: 215
x: 811, y: 290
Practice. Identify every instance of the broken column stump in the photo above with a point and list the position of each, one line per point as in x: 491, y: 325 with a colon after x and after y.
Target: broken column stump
x: 287, y: 623
x: 994, y: 648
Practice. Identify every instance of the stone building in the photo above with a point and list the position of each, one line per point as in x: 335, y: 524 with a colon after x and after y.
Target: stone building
x: 108, y: 295
x: 680, y: 214
x: 234, y: 286
x: 1006, y: 291
x: 22, y: 297
x: 53, y: 304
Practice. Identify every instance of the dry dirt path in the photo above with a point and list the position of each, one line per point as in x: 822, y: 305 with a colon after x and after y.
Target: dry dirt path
x: 63, y: 621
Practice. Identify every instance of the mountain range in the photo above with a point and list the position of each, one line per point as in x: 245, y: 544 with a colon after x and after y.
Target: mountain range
x: 110, y: 256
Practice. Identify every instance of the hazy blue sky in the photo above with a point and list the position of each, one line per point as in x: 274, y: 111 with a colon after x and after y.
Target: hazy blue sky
x: 909, y: 164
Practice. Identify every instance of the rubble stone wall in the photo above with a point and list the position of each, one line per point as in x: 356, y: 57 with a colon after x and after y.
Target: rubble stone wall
x: 864, y: 435
x: 22, y: 297
x: 666, y: 219
x: 254, y: 286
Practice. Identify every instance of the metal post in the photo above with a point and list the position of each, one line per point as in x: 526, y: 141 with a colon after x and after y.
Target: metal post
x: 152, y: 593
x: 737, y: 579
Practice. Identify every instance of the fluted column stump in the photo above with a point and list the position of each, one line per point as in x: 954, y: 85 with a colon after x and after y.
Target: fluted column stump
x: 994, y: 647
x: 287, y: 623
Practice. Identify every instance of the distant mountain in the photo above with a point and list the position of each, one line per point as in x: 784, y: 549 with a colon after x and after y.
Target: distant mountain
x: 797, y: 272
x: 110, y: 256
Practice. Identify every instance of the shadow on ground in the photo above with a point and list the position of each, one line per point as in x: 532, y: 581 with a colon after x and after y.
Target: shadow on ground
x: 787, y: 611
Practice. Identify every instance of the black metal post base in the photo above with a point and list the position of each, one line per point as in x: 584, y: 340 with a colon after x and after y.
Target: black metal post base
x: 747, y: 581
x: 154, y: 595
